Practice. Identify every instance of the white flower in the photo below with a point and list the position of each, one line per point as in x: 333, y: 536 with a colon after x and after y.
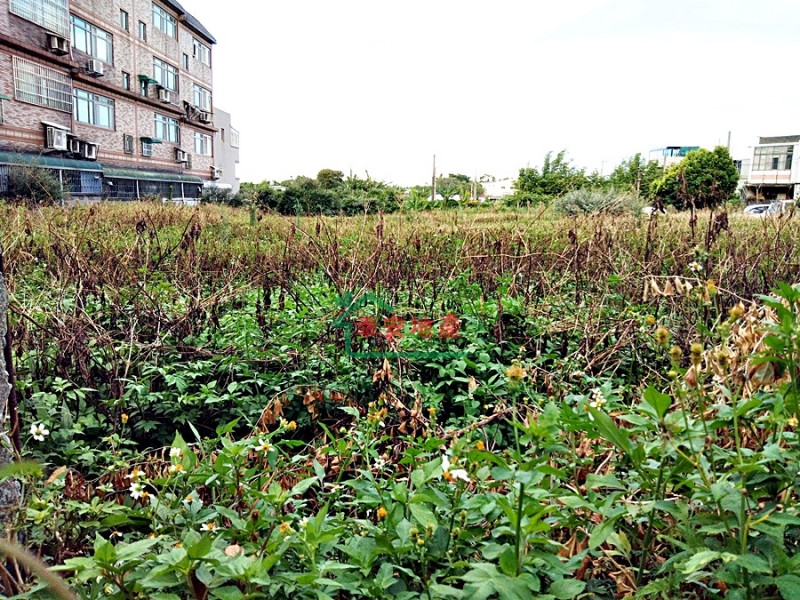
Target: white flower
x: 380, y: 463
x: 176, y: 468
x: 39, y: 431
x: 452, y: 475
x: 135, y: 474
x: 175, y: 452
x: 192, y: 497
x: 136, y: 490
x: 303, y: 522
x: 695, y: 267
x: 264, y: 446
x: 209, y: 526
x: 597, y: 400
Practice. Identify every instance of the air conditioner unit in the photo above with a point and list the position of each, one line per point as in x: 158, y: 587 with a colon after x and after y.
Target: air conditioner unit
x: 164, y: 95
x: 147, y: 149
x: 216, y: 173
x: 204, y: 117
x: 58, y: 44
x: 180, y: 155
x: 94, y: 67
x: 56, y: 138
x: 74, y: 145
x: 90, y: 151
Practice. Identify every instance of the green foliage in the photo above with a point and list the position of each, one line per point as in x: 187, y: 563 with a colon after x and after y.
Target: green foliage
x: 586, y: 201
x: 557, y: 177
x: 704, y: 179
x: 33, y: 186
x: 635, y: 174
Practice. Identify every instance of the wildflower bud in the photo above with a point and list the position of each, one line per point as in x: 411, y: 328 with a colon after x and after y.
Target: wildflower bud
x: 691, y: 378
x: 662, y: 336
x: 711, y: 288
x: 696, y: 353
x: 413, y: 532
x: 673, y: 374
x: 124, y: 418
x: 429, y: 530
x: 382, y: 512
x: 650, y: 320
x: 723, y: 357
x: 675, y: 354
x: 736, y: 312
x: 342, y: 430
x: 420, y: 541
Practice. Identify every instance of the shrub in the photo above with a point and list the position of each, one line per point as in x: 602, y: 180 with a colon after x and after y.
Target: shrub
x: 33, y: 186
x: 591, y: 201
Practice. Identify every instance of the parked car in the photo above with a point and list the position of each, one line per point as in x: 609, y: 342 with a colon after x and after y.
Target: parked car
x: 783, y: 207
x: 755, y: 209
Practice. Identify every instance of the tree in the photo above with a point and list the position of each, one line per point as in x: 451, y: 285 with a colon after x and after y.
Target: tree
x: 557, y: 177
x: 704, y: 179
x: 9, y: 488
x: 329, y: 179
x: 635, y: 174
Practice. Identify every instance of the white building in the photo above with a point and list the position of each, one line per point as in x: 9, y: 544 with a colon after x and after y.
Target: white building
x: 774, y: 174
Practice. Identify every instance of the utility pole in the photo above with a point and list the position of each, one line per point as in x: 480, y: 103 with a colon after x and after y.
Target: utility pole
x: 729, y: 141
x: 433, y: 180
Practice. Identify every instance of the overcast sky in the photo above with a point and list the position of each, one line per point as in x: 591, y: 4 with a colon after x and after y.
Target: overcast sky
x: 380, y: 86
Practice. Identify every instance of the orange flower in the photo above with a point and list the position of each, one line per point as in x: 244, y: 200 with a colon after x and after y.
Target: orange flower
x: 382, y: 512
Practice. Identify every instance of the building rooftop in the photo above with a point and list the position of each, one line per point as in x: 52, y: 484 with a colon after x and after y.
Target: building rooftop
x: 191, y: 20
x: 779, y: 139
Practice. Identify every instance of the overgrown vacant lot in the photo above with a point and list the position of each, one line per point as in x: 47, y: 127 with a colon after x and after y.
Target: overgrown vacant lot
x: 439, y: 405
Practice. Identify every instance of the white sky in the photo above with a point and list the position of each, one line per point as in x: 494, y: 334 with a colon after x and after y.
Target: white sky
x: 381, y: 86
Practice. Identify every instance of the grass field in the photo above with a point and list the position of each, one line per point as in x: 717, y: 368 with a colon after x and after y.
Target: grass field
x: 448, y: 404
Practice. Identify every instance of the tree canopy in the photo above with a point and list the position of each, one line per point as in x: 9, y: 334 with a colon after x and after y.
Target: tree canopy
x: 704, y: 179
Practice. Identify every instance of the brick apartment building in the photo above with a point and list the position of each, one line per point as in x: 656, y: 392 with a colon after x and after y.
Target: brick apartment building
x: 114, y: 97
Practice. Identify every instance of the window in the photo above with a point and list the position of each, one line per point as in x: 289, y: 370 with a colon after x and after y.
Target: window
x: 142, y: 31
x: 185, y: 61
x: 127, y: 144
x: 50, y: 14
x: 234, y: 138
x: 147, y: 147
x: 123, y: 19
x: 773, y: 158
x: 201, y: 98
x: 201, y: 52
x: 91, y: 39
x: 143, y: 87
x: 164, y: 21
x: 166, y: 129
x: 93, y: 109
x: 222, y: 134
x: 165, y: 74
x: 41, y: 85
x: 202, y: 144
x: 126, y: 81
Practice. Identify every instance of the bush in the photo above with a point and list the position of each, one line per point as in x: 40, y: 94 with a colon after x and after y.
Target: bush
x: 34, y: 186
x: 587, y: 202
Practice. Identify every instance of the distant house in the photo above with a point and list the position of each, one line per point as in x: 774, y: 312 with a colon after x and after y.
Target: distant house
x: 774, y: 174
x: 670, y: 155
x: 497, y: 189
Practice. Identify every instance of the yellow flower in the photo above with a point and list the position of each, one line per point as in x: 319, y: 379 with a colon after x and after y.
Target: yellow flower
x: 431, y: 411
x: 650, y: 320
x: 176, y: 468
x: 382, y: 512
x: 285, y: 529
x: 124, y: 418
x: 480, y: 445
x: 291, y: 426
x: 515, y: 372
x: 791, y: 421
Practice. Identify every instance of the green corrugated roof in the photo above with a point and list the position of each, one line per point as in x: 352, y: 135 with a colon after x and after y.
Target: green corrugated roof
x: 150, y: 175
x: 4, y: 97
x: 41, y: 160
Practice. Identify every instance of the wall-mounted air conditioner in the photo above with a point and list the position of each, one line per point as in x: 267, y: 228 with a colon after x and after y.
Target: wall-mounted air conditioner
x: 58, y: 44
x: 56, y: 138
x: 147, y: 149
x: 216, y: 173
x: 74, y: 145
x: 204, y: 117
x: 94, y: 67
x: 180, y: 155
x: 90, y: 151
x: 164, y: 95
